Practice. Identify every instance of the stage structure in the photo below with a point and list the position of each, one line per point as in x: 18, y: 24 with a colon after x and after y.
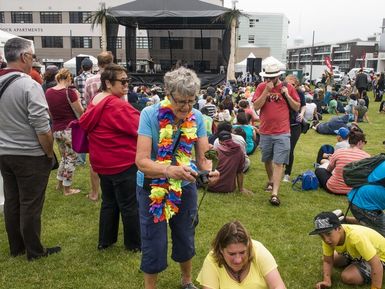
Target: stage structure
x: 179, y: 32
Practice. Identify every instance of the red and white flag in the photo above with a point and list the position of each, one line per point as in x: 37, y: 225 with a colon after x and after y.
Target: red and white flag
x: 328, y: 63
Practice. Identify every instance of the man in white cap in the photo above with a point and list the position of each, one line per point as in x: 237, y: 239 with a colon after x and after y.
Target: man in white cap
x: 275, y: 99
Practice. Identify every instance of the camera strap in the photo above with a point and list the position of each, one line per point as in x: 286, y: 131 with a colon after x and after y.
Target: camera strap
x: 176, y: 144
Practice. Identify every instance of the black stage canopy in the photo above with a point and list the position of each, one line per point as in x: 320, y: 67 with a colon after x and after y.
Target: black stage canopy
x: 169, y: 14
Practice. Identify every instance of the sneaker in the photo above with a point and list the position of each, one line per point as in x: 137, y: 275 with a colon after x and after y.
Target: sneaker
x: 286, y: 179
x: 48, y: 251
x: 316, y: 165
x: 338, y: 213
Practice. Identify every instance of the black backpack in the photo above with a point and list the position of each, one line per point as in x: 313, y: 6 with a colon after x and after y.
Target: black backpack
x: 356, y: 173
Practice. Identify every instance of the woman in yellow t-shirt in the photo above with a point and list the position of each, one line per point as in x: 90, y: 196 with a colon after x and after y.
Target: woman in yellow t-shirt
x: 237, y: 262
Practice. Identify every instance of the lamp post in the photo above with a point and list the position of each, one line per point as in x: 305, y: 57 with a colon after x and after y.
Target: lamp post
x: 311, y: 58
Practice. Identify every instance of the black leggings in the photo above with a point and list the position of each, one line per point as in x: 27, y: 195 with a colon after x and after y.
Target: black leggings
x: 323, y: 175
x: 382, y: 106
x: 295, y: 133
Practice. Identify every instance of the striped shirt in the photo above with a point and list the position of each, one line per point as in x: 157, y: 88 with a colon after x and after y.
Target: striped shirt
x: 91, y: 88
x: 338, y: 160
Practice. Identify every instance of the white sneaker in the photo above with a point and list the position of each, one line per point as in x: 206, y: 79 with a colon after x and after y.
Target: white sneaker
x: 338, y: 213
x: 286, y: 179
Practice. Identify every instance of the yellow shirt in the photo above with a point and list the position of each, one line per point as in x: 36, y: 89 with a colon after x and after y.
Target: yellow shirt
x: 215, y: 277
x: 360, y: 242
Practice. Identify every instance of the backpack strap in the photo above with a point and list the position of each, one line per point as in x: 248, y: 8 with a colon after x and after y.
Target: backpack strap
x: 296, y: 186
x: 7, y: 82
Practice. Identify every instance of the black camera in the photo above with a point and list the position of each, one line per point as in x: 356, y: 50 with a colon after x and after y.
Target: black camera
x: 202, y: 178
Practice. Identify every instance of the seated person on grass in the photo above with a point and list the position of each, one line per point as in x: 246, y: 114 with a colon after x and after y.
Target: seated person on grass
x: 342, y: 143
x: 332, y: 105
x: 238, y: 262
x: 231, y: 161
x: 208, y: 121
x: 358, y: 249
x: 251, y: 131
x: 361, y: 112
x: 238, y: 138
x: 368, y: 201
x: 331, y: 178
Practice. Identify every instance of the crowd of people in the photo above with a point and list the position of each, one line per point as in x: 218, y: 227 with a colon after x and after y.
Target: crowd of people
x: 152, y: 186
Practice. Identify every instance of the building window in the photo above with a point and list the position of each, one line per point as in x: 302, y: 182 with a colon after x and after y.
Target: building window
x: 52, y: 42
x: 143, y: 42
x: 202, y: 43
x: 29, y: 38
x: 176, y: 43
x: 251, y: 39
x: 239, y: 37
x: 119, y: 42
x: 80, y: 17
x: 50, y: 17
x: 1, y: 17
x: 21, y: 17
x: 81, y: 42
x: 251, y: 23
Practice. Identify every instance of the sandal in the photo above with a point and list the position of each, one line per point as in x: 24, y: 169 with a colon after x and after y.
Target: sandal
x: 269, y: 187
x: 274, y: 200
x: 88, y: 196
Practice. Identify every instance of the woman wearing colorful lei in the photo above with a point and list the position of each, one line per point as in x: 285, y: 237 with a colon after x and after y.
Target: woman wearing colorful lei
x: 171, y: 134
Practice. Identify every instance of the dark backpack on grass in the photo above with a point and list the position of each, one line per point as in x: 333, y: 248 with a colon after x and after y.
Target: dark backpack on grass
x: 357, y: 174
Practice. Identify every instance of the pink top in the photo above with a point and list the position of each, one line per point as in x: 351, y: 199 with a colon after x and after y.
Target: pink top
x: 337, y: 162
x: 59, y: 108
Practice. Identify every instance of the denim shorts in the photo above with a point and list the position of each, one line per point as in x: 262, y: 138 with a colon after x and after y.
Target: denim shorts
x: 275, y: 148
x: 154, y: 235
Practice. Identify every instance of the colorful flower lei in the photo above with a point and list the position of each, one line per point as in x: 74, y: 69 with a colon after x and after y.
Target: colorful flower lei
x: 166, y: 193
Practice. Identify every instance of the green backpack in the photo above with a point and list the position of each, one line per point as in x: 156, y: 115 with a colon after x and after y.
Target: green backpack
x: 356, y: 174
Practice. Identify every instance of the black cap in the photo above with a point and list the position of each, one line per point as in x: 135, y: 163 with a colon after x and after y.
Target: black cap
x: 325, y: 222
x: 224, y: 135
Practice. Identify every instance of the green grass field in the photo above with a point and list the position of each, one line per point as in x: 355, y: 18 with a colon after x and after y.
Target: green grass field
x: 72, y: 222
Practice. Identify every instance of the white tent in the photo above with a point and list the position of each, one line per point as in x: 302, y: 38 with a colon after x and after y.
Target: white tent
x: 241, y: 66
x: 273, y: 60
x: 71, y: 64
x: 4, y: 36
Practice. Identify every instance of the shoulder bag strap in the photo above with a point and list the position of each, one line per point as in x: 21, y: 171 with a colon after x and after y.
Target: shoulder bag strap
x: 7, y: 82
x: 70, y: 103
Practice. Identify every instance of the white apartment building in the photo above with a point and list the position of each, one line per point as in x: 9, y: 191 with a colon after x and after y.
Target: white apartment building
x: 264, y: 34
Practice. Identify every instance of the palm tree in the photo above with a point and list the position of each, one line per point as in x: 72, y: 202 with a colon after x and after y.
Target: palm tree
x: 231, y: 18
x: 101, y: 17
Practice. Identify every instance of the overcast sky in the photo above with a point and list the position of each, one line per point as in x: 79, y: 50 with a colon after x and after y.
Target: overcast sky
x: 332, y: 20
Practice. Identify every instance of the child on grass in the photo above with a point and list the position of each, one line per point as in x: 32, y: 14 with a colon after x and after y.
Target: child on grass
x: 360, y: 250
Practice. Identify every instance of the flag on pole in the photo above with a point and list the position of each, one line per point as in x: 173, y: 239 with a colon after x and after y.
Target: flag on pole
x: 329, y: 63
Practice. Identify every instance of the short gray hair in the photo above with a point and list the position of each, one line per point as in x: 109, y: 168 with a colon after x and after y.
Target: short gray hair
x: 16, y: 46
x: 183, y: 81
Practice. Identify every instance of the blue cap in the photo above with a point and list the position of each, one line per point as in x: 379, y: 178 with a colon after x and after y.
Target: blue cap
x: 342, y: 132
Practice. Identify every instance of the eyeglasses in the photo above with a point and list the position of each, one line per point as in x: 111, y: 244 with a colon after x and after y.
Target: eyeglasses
x: 268, y: 78
x: 182, y: 103
x: 123, y: 81
x: 28, y: 53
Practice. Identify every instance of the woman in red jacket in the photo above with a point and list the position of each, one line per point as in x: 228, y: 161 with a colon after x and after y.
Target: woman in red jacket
x: 112, y: 124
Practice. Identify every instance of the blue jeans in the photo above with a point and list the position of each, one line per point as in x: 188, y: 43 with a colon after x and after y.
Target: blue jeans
x: 374, y: 219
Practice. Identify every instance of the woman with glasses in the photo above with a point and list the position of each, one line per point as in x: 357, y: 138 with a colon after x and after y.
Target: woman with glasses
x: 166, y: 189
x: 112, y: 124
x: 331, y: 178
x: 64, y: 106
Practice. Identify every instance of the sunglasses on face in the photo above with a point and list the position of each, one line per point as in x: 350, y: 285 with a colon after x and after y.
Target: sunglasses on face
x: 123, y: 81
x: 31, y: 54
x: 269, y: 78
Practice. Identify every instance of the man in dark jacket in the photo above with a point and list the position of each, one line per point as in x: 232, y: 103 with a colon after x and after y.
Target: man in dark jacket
x: 361, y: 81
